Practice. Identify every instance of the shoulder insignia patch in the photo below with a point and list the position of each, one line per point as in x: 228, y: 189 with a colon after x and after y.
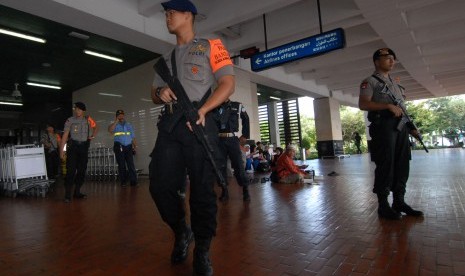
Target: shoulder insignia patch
x: 364, y: 85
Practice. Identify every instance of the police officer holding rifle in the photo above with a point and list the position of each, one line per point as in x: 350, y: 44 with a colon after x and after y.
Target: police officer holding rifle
x: 383, y: 98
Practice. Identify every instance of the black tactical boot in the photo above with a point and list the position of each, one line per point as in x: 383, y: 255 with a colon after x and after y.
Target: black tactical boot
x: 245, y: 194
x: 224, y: 194
x: 399, y: 206
x: 202, y: 264
x: 183, y: 237
x: 78, y: 194
x: 384, y: 210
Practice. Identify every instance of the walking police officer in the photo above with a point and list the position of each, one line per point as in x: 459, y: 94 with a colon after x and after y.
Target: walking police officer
x: 80, y: 129
x: 390, y: 147
x: 124, y: 147
x: 197, y: 63
x: 228, y: 124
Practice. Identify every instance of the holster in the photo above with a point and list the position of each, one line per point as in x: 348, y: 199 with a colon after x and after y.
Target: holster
x: 402, y: 123
x: 168, y: 121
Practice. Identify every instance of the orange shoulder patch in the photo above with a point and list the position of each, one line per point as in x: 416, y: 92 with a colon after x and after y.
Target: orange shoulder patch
x: 219, y: 56
x: 91, y: 122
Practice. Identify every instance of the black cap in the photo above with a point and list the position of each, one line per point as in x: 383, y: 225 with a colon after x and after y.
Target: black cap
x: 119, y: 111
x: 180, y: 5
x: 383, y: 52
x: 80, y: 105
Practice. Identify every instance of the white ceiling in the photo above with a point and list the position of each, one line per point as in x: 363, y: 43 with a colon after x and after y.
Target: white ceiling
x: 427, y: 35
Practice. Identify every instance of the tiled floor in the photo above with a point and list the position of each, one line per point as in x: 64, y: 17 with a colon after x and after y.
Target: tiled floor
x: 328, y: 228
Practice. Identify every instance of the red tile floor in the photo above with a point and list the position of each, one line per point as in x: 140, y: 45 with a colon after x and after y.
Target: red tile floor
x: 328, y: 228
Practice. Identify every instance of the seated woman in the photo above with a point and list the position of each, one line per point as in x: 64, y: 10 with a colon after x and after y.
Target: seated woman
x: 256, y: 153
x: 287, y: 171
x: 248, y: 159
x: 274, y: 159
x: 274, y: 162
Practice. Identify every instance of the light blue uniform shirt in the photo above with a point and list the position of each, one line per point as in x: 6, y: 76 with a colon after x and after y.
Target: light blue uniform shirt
x: 124, y: 133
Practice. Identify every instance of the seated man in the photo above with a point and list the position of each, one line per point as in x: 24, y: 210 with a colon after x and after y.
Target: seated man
x: 287, y: 171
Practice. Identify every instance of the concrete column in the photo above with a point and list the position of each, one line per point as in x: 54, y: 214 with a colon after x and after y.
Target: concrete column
x: 274, y: 124
x: 328, y: 127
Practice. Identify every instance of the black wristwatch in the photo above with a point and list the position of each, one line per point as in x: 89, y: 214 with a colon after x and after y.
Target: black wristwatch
x: 157, y: 91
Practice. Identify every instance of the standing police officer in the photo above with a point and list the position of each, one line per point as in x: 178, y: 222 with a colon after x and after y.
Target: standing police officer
x: 228, y: 123
x: 197, y: 63
x: 390, y: 148
x: 81, y: 129
x: 124, y: 147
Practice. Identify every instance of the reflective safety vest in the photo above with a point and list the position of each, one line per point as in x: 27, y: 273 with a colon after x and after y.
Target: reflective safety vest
x: 122, y: 133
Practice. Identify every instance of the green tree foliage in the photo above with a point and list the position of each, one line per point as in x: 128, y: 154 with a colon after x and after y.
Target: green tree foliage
x: 448, y: 116
x: 352, y: 121
x: 307, y: 125
x: 422, y: 116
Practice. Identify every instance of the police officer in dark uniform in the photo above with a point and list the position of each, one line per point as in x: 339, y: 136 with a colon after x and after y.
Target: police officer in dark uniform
x: 198, y: 64
x: 390, y: 147
x: 80, y: 129
x: 228, y: 124
x: 124, y: 147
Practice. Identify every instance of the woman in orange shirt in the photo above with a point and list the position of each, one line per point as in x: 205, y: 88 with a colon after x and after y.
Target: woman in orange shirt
x: 287, y: 171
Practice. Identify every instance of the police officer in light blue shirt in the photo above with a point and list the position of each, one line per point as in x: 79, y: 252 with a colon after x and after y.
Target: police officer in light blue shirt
x: 124, y: 147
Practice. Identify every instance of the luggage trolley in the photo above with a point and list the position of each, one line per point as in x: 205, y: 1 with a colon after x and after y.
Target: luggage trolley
x: 23, y: 170
x: 102, y: 164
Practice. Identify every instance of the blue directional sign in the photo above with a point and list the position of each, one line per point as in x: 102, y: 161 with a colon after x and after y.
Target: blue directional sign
x: 304, y: 48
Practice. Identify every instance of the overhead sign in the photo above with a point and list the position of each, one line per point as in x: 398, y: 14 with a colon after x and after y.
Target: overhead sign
x: 304, y: 48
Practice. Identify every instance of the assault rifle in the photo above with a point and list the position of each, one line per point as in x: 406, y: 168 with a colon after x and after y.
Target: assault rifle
x: 189, y: 111
x: 406, y: 119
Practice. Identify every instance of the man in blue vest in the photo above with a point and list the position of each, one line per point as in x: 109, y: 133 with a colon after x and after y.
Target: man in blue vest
x: 124, y: 148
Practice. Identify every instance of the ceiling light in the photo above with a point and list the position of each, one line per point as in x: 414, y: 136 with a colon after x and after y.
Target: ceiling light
x: 275, y: 98
x: 258, y: 94
x: 8, y: 103
x: 102, y: 56
x: 43, y: 85
x: 111, y: 95
x: 104, y: 111
x: 24, y: 36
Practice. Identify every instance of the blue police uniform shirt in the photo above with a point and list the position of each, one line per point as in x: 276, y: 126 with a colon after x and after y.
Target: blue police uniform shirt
x: 124, y: 133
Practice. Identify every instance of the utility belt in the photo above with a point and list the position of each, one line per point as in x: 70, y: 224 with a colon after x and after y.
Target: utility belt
x: 118, y: 144
x: 226, y: 134
x: 171, y: 114
x: 78, y: 143
x: 374, y: 116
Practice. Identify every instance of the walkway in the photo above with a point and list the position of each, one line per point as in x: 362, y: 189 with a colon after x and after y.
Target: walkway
x: 327, y: 229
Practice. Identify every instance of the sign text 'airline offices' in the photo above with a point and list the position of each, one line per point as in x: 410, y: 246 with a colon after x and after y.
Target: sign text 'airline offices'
x: 304, y: 48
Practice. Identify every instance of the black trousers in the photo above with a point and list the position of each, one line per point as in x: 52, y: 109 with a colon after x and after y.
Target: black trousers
x: 176, y: 154
x: 125, y: 159
x: 76, y: 166
x: 391, y: 153
x: 230, y: 147
x: 53, y: 161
